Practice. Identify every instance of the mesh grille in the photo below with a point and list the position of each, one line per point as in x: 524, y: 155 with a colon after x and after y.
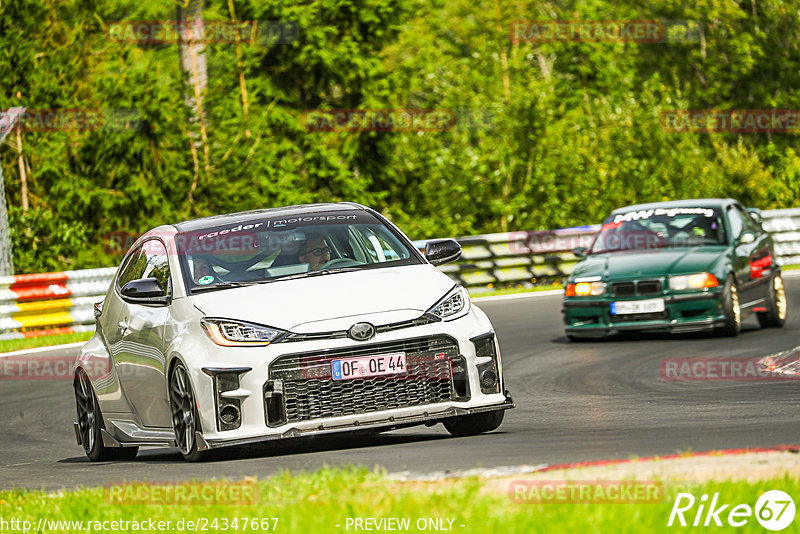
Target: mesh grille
x: 623, y: 289
x: 642, y: 287
x: 309, y: 392
x: 649, y: 287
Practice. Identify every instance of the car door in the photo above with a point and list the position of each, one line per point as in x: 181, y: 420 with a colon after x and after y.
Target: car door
x: 749, y: 256
x: 114, y: 311
x: 140, y: 360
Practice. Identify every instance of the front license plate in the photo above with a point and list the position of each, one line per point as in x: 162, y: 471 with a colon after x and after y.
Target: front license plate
x: 637, y: 306
x: 367, y: 366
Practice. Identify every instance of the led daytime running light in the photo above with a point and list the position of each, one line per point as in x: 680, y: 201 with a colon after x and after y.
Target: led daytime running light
x: 235, y: 334
x: 455, y: 303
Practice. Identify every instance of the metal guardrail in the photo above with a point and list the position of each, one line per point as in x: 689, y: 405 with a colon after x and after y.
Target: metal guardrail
x: 47, y: 303
x: 515, y: 257
x: 38, y: 304
x: 784, y: 225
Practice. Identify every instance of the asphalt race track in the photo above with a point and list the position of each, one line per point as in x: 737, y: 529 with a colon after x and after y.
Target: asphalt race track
x: 576, y: 401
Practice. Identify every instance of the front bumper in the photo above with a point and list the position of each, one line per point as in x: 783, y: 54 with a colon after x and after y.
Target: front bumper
x: 433, y: 415
x: 684, y: 312
x: 257, y: 384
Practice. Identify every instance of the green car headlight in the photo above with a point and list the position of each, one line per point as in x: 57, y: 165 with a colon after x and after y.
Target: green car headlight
x: 692, y: 281
x: 585, y: 289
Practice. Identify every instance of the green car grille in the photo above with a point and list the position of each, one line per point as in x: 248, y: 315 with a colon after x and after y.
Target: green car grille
x: 633, y: 289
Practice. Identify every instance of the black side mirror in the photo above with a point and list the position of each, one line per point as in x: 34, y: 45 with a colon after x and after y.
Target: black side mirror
x: 579, y: 252
x: 144, y: 291
x: 441, y: 251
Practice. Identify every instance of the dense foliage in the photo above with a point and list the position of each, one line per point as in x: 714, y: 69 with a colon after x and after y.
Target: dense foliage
x: 547, y: 134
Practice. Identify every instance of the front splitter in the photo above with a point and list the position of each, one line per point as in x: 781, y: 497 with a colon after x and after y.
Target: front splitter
x: 388, y: 423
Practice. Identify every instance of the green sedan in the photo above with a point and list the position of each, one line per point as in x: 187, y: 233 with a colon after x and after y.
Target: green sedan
x: 682, y: 266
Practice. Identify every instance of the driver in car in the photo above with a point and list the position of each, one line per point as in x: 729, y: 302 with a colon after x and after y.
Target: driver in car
x: 315, y: 252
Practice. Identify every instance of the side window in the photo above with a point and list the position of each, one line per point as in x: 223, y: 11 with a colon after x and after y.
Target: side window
x: 749, y: 224
x: 148, y: 261
x: 133, y: 268
x: 373, y: 244
x: 156, y: 263
x: 737, y: 221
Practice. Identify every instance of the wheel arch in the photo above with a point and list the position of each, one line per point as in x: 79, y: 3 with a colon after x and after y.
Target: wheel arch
x: 174, y: 359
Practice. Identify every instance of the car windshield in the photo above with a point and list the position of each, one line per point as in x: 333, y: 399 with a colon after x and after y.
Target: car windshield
x: 659, y: 228
x: 289, y: 246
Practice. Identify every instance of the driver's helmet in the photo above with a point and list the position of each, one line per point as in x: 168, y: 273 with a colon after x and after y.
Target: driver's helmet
x: 705, y: 227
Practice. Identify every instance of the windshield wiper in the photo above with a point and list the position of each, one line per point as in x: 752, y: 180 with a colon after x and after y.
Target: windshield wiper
x: 225, y: 285
x: 309, y: 274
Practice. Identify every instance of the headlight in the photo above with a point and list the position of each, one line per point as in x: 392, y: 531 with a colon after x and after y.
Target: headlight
x: 585, y: 289
x: 453, y: 305
x: 692, y: 281
x: 239, y: 334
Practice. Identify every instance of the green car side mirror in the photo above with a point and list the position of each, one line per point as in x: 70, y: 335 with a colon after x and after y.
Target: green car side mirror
x: 746, y: 238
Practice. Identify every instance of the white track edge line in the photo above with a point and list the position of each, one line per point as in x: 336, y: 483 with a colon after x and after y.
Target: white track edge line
x: 37, y: 350
x: 547, y: 293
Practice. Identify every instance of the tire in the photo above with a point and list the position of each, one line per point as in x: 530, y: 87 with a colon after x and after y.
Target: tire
x: 777, y: 304
x: 183, y: 408
x: 472, y: 425
x: 90, y: 422
x: 731, y: 309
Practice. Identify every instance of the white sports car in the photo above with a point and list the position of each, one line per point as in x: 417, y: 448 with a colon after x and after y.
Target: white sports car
x: 279, y: 323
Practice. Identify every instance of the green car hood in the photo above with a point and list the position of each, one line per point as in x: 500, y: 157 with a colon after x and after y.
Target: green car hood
x: 652, y: 263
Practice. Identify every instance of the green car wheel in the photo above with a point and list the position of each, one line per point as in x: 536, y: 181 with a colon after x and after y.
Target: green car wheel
x: 731, y: 309
x: 775, y: 316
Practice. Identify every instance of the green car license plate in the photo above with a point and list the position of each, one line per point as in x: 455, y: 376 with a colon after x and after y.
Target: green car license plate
x: 628, y: 307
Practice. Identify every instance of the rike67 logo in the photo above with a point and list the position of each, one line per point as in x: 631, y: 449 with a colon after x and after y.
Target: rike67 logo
x: 774, y: 510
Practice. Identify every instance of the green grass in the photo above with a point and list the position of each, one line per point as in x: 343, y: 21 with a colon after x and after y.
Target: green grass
x: 318, y: 502
x: 11, y: 345
x: 491, y: 292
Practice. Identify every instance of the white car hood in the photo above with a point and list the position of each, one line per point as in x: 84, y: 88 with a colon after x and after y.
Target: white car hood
x: 333, y: 301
